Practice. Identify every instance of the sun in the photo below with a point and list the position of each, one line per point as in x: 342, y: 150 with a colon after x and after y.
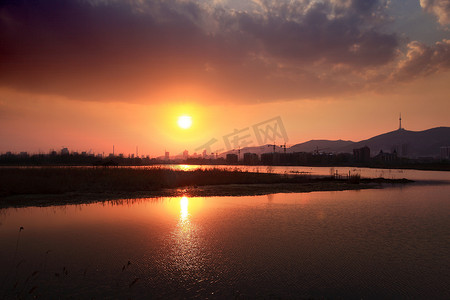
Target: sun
x: 184, y: 122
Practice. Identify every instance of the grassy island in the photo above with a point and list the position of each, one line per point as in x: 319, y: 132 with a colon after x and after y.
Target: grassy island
x: 64, y: 185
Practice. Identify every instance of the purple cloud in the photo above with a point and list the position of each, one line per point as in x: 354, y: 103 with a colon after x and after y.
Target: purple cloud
x: 112, y: 50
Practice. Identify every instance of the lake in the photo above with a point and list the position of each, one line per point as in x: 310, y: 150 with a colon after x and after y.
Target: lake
x: 383, y: 243
x: 323, y: 171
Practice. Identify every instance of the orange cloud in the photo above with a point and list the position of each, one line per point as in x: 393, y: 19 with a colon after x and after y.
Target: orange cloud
x: 440, y: 8
x: 156, y: 51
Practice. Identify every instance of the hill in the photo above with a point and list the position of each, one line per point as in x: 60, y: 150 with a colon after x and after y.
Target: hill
x: 321, y: 145
x: 414, y: 144
x: 258, y: 150
x: 407, y: 143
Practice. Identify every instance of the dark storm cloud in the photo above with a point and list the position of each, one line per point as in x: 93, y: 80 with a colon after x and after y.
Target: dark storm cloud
x: 124, y: 50
x: 313, y: 35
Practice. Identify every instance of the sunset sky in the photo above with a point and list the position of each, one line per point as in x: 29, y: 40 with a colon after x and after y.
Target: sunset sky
x: 91, y: 74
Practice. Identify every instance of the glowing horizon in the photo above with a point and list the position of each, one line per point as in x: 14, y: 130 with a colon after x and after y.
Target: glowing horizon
x: 330, y: 70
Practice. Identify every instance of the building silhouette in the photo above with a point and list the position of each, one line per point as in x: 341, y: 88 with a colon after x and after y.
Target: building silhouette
x: 64, y: 151
x: 386, y: 157
x: 232, y: 158
x: 166, y: 155
x: 445, y: 152
x: 251, y: 158
x: 361, y: 154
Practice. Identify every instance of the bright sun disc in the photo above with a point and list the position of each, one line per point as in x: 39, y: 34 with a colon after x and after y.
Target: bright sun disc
x: 185, y: 122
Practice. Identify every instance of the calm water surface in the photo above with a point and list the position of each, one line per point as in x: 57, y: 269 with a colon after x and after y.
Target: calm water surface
x: 389, y: 243
x: 313, y: 171
x: 363, y: 172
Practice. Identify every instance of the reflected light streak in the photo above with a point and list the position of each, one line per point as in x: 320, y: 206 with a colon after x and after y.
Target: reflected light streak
x: 186, y: 168
x: 184, y: 212
x: 187, y: 251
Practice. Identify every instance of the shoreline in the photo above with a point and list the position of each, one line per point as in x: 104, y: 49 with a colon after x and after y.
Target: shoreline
x: 226, y: 190
x: 24, y: 187
x: 415, y: 167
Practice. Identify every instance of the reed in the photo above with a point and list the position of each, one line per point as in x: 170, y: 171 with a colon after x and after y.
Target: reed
x: 39, y: 283
x: 51, y: 180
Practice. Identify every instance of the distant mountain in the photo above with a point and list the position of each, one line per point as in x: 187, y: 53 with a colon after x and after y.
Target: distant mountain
x: 310, y: 146
x: 320, y: 146
x: 426, y: 143
x: 407, y: 143
x: 258, y: 150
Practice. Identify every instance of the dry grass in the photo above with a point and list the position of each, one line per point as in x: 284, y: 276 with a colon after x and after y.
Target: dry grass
x: 74, y: 185
x: 50, y: 180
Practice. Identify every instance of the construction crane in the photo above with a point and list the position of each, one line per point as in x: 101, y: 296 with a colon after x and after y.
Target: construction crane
x: 215, y: 154
x: 239, y: 152
x: 272, y: 145
x: 283, y: 147
x: 275, y: 145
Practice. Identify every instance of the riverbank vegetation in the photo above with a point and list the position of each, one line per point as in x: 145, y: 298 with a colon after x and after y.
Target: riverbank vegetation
x: 311, y: 159
x: 113, y: 182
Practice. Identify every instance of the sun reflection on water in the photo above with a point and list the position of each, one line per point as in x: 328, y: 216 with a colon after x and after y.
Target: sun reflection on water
x: 184, y: 206
x: 187, y: 253
x: 186, y: 167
